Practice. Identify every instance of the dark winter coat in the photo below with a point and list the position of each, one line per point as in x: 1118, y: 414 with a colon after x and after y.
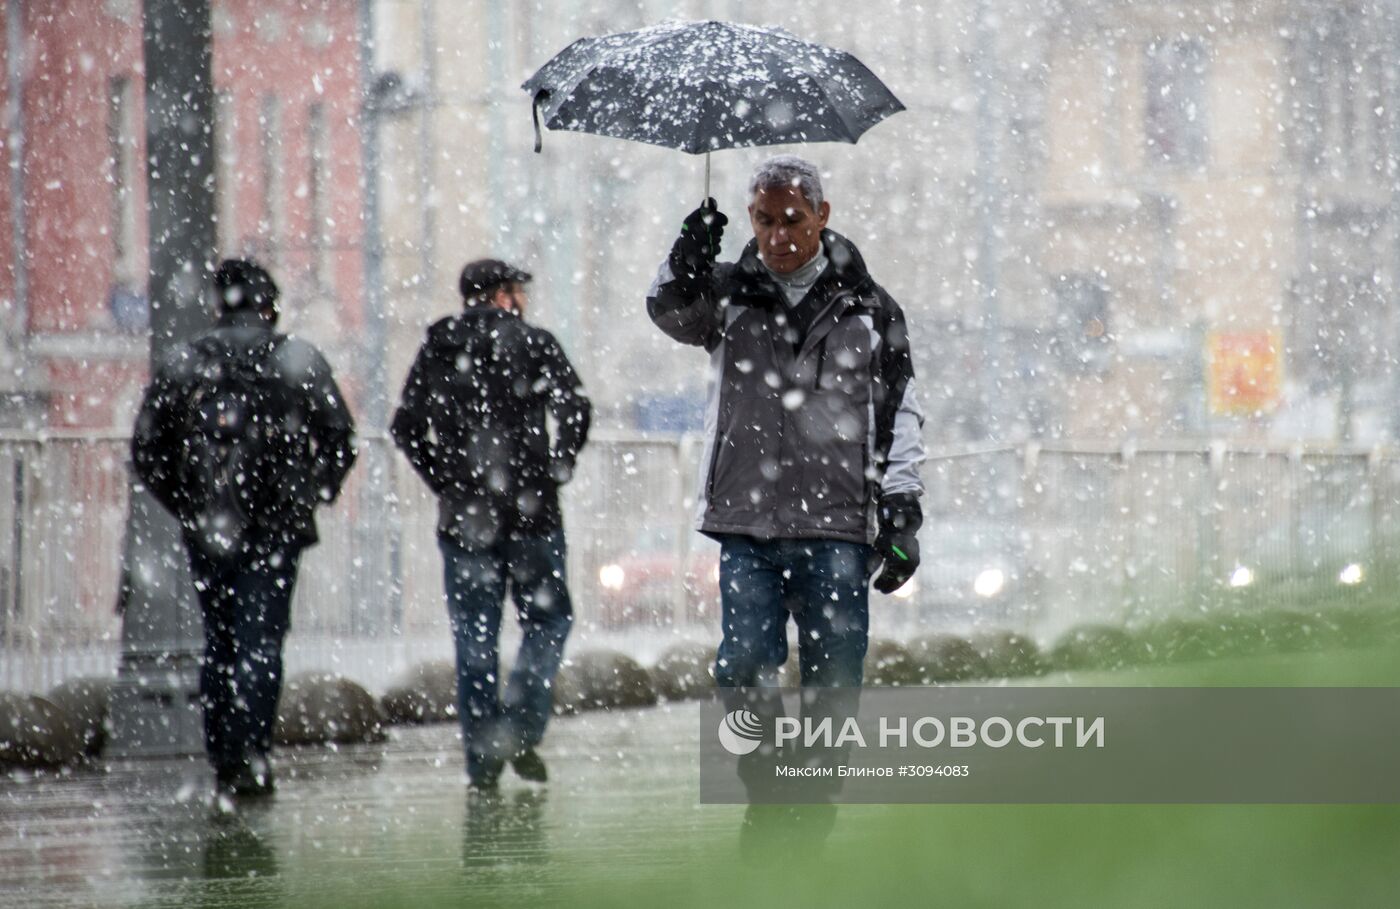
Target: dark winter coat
x: 472, y: 423
x: 317, y: 445
x: 812, y: 414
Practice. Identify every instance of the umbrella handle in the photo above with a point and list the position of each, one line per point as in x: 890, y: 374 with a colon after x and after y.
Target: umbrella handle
x: 706, y: 197
x: 535, y: 116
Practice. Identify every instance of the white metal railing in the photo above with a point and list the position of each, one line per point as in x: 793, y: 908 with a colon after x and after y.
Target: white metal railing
x: 1028, y: 537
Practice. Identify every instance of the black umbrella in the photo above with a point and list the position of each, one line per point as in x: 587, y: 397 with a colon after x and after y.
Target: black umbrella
x: 705, y: 86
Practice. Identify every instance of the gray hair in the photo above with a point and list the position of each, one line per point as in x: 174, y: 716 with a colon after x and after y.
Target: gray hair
x: 789, y: 170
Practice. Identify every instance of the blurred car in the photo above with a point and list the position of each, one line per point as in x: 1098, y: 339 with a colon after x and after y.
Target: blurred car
x: 971, y: 570
x: 648, y: 582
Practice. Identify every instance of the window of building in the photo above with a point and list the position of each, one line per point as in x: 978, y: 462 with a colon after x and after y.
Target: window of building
x: 1342, y: 114
x: 270, y: 219
x: 1080, y: 341
x: 121, y: 151
x: 1337, y: 327
x: 226, y: 172
x: 1175, y: 122
x: 319, y: 193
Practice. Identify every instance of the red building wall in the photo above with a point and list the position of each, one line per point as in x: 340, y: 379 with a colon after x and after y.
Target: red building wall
x: 7, y: 258
x: 303, y: 52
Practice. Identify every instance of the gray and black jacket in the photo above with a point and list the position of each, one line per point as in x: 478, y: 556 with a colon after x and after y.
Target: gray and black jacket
x: 812, y: 415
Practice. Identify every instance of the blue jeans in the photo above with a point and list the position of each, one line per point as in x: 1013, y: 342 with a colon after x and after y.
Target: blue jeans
x: 494, y: 727
x: 820, y: 583
x: 247, y: 613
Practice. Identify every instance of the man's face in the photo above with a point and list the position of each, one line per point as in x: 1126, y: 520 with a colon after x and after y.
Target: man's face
x: 511, y: 297
x: 789, y: 232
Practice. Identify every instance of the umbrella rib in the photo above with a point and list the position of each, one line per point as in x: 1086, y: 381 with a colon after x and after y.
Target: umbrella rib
x: 699, y: 143
x: 851, y: 134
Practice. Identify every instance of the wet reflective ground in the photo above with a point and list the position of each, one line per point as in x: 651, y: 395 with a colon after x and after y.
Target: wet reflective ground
x: 393, y: 825
x: 388, y: 816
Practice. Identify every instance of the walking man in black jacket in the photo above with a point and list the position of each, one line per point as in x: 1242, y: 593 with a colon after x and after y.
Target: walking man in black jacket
x: 241, y: 435
x: 472, y: 423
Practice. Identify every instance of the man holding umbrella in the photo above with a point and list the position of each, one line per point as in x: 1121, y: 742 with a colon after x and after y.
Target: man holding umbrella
x: 810, y: 474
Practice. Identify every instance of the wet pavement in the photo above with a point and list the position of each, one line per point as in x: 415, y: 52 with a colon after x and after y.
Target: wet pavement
x: 388, y: 816
x: 619, y: 824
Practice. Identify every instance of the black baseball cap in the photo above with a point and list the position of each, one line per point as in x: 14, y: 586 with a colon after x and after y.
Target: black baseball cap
x: 244, y: 284
x: 485, y: 275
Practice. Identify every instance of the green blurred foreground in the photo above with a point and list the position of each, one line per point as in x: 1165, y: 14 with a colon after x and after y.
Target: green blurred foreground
x: 1120, y: 856
x: 392, y: 825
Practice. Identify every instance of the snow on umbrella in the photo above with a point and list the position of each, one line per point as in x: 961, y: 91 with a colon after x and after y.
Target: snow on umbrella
x: 705, y: 86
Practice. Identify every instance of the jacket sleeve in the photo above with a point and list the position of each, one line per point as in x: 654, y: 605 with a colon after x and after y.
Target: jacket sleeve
x: 899, y: 419
x: 333, y: 430
x: 567, y: 403
x: 411, y: 427
x: 155, y: 439
x: 686, y: 309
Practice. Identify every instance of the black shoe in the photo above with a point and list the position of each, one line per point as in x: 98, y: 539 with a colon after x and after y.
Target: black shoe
x: 253, y: 778
x: 487, y: 777
x: 528, y: 765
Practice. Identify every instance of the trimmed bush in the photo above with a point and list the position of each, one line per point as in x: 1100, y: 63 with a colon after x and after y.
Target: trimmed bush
x: 1288, y: 632
x: 35, y: 732
x: 1095, y: 647
x: 602, y: 680
x: 320, y: 707
x: 1183, y: 640
x: 87, y: 701
x: 685, y: 671
x: 889, y: 663
x: 946, y: 658
x: 1008, y: 655
x: 427, y: 693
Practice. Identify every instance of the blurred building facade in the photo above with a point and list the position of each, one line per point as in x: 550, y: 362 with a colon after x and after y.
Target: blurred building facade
x: 593, y: 217
x: 73, y: 345
x: 1220, y: 176
x: 1120, y: 220
x: 1105, y: 220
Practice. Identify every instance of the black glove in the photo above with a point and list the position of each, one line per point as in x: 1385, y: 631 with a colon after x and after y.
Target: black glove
x: 896, y: 545
x: 561, y: 470
x: 695, y: 250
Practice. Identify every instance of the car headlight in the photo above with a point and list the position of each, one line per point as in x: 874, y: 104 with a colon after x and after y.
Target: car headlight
x: 612, y: 577
x: 989, y: 582
x: 910, y: 588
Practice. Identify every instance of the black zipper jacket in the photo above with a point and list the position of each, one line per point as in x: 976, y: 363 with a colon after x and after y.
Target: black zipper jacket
x: 319, y: 432
x: 472, y: 423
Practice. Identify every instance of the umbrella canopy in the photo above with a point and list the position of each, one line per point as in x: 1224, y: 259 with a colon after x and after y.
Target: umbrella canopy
x: 704, y: 86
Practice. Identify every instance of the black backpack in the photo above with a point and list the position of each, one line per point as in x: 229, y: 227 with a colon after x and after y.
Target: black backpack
x: 238, y: 448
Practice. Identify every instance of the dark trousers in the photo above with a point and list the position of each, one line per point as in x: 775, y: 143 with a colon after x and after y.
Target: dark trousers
x: 495, y: 727
x: 820, y: 584
x: 247, y: 613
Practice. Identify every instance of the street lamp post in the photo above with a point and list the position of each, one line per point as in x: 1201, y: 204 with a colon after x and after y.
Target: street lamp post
x: 154, y: 707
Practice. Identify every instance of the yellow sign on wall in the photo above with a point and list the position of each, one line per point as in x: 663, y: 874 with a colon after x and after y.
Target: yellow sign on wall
x: 1244, y: 371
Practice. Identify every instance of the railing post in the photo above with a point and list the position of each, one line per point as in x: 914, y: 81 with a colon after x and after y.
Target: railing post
x: 1208, y: 522
x: 1295, y: 515
x: 1127, y: 457
x: 1374, y: 550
